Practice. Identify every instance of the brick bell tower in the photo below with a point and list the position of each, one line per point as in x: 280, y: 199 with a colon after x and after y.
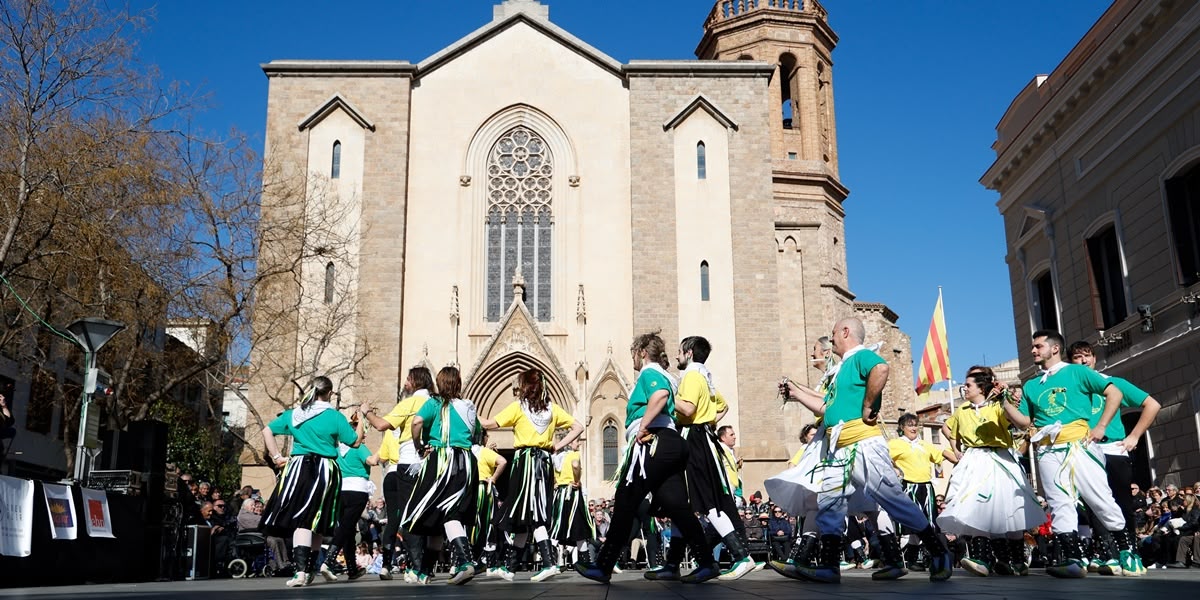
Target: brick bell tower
x: 794, y: 35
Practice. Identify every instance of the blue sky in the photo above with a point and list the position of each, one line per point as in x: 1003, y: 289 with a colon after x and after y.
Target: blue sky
x: 919, y: 86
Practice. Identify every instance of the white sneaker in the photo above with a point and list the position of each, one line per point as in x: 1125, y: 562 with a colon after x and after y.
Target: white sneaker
x: 738, y: 570
x: 385, y: 574
x: 617, y: 570
x: 545, y: 574
x: 300, y: 579
x: 328, y: 574
x: 504, y: 574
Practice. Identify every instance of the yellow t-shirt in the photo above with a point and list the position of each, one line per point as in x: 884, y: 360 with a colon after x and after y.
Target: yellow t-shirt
x: 795, y: 460
x: 566, y: 475
x: 401, y: 415
x: 914, y: 460
x: 854, y: 431
x: 389, y: 448
x: 487, y: 462
x: 525, y: 434
x: 694, y: 388
x: 985, y: 427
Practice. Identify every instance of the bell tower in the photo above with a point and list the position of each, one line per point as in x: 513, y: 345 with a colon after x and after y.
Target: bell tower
x: 794, y: 35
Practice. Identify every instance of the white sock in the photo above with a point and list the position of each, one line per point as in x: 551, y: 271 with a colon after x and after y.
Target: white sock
x: 540, y: 535
x: 720, y: 521
x: 302, y: 537
x: 455, y: 530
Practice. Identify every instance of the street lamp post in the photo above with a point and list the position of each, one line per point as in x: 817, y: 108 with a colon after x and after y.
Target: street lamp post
x: 91, y: 334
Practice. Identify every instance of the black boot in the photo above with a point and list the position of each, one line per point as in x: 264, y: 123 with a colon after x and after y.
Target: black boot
x: 1106, y: 550
x: 464, y: 567
x: 669, y: 570
x: 742, y: 564
x: 548, y: 569
x: 302, y: 556
x: 979, y: 558
x: 1016, y: 556
x: 415, y: 544
x: 828, y: 568
x: 803, y: 554
x: 893, y: 560
x: 941, y: 559
x: 385, y: 572
x: 1067, y: 562
x: 1001, y: 563
x: 912, y: 558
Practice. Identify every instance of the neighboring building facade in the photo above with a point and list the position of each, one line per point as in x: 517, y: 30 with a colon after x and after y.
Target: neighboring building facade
x: 540, y: 212
x: 1098, y: 170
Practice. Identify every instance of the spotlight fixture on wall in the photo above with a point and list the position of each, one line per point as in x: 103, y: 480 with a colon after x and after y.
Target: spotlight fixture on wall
x: 1147, y: 318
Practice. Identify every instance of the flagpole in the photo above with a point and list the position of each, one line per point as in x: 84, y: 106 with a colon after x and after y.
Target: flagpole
x: 949, y: 370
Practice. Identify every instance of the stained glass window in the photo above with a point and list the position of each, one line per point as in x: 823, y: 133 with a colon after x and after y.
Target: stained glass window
x: 610, y: 450
x: 701, y: 162
x: 519, y: 223
x: 335, y: 170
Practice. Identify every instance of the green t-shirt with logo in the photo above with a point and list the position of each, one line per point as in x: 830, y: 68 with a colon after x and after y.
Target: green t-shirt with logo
x: 1131, y: 396
x: 649, y: 381
x: 844, y: 400
x: 1065, y: 396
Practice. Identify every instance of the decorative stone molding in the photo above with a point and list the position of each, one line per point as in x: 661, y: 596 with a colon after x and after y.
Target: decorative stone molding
x: 573, y: 181
x: 464, y: 180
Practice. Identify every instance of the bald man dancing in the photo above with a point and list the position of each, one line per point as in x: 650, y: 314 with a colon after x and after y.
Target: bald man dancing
x: 858, y: 461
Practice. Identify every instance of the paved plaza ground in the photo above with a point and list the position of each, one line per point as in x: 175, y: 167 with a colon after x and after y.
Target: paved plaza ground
x: 766, y: 585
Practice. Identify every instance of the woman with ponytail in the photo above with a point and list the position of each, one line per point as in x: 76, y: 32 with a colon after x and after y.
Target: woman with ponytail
x: 988, y: 499
x: 305, y: 502
x: 443, y: 498
x: 527, y: 506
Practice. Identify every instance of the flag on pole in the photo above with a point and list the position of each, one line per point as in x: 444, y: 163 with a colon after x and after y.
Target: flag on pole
x: 935, y: 360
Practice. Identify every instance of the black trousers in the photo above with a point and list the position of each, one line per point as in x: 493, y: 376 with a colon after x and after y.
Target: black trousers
x: 353, y: 504
x: 664, y: 478
x: 397, y: 487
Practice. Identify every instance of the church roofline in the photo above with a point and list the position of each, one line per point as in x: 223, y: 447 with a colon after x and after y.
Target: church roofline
x: 334, y: 68
x: 494, y: 28
x: 334, y: 103
x: 686, y: 68
x: 701, y: 103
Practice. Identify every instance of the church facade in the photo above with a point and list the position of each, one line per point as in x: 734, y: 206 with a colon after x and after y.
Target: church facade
x: 522, y: 200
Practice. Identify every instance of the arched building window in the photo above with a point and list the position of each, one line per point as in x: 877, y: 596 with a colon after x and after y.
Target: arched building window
x: 704, y: 281
x: 701, y: 162
x: 519, y: 222
x: 329, y: 275
x: 335, y: 169
x: 610, y: 450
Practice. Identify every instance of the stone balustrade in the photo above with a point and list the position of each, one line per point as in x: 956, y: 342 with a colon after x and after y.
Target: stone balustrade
x: 728, y: 9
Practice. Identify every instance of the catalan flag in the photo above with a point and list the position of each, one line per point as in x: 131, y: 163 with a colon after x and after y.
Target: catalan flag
x: 935, y: 360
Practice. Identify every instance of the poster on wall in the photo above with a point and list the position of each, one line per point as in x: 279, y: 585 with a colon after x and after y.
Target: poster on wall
x: 60, y: 504
x: 16, y: 516
x: 99, y: 522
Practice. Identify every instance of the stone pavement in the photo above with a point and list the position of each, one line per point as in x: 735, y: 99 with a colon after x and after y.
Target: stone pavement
x: 766, y: 585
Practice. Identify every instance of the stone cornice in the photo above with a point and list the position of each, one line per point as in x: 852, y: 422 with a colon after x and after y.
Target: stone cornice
x: 339, y: 68
x: 1075, y: 80
x: 698, y: 68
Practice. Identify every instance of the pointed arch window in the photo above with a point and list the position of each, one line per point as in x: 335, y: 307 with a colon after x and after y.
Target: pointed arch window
x: 520, y: 222
x: 704, y: 296
x: 335, y: 169
x: 701, y: 161
x: 610, y: 450
x: 329, y: 283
